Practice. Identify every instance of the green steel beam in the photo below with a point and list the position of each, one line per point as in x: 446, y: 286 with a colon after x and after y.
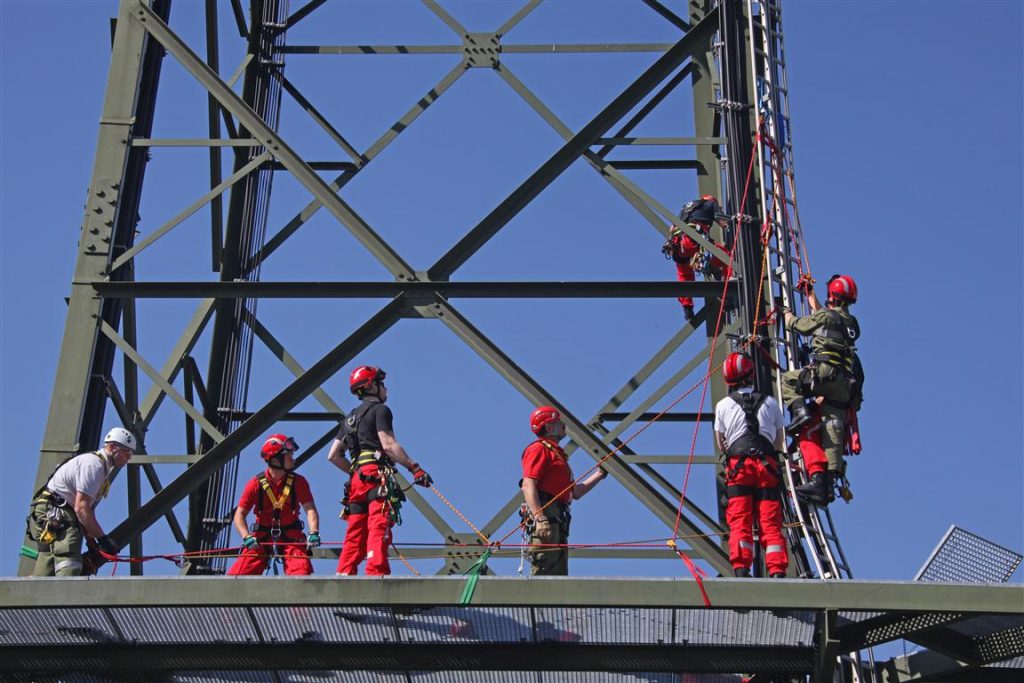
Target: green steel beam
x: 663, y: 508
x: 643, y: 202
x: 156, y: 234
x: 182, y: 348
x: 827, y: 650
x: 96, y: 250
x: 260, y: 422
x: 884, y: 627
x: 668, y: 14
x: 573, y: 149
x: 375, y: 149
x: 609, y: 439
x: 517, y: 17
x: 445, y: 656
x: 272, y: 141
x: 736, y: 594
x: 930, y: 666
x: 389, y: 290
x: 194, y: 142
x: 543, y: 48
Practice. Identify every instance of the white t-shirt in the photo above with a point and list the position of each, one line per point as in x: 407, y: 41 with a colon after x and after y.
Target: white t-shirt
x: 85, y: 472
x: 730, y: 420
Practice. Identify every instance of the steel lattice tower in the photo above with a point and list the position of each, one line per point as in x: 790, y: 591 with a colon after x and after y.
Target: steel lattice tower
x: 105, y: 374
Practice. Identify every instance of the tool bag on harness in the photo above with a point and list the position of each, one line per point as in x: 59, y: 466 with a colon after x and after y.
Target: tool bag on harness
x: 752, y: 444
x: 53, y: 514
x: 388, y: 487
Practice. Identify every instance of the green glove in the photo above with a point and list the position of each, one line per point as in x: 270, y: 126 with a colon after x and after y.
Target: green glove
x: 313, y: 540
x: 250, y: 542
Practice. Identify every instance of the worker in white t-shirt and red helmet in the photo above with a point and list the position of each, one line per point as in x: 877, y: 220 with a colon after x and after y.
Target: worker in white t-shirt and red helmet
x: 750, y: 431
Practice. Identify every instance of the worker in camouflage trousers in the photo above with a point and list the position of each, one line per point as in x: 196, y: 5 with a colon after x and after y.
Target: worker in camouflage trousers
x: 749, y: 431
x: 373, y: 496
x: 62, y: 513
x: 833, y: 381
x: 276, y: 494
x: 686, y: 252
x: 548, y: 490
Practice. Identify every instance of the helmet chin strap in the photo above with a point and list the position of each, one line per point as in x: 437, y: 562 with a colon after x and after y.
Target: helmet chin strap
x: 275, y: 462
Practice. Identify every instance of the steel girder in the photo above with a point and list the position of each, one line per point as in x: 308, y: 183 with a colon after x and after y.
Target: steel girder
x: 423, y: 293
x: 605, y: 614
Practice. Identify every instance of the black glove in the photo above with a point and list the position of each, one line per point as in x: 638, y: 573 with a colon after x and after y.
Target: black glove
x: 107, y: 545
x: 91, y: 563
x: 419, y: 477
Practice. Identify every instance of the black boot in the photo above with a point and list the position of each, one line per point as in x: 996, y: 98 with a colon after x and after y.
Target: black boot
x: 798, y: 417
x: 688, y: 312
x: 777, y: 575
x: 831, y: 477
x: 816, y: 490
x: 741, y: 573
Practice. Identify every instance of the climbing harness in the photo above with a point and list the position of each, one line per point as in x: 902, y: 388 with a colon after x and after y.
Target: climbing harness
x: 388, y: 489
x: 52, y: 512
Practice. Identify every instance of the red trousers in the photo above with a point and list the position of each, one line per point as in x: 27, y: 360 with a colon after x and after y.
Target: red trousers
x: 369, y: 534
x: 684, y: 249
x: 809, y: 442
x: 754, y: 486
x: 254, y: 561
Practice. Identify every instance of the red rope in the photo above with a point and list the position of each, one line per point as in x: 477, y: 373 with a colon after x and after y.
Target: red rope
x: 711, y: 352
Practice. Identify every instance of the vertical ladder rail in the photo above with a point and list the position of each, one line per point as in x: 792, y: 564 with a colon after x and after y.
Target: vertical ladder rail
x: 783, y: 252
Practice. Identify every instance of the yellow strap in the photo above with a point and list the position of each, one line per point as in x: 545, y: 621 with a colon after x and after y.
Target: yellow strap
x: 366, y: 457
x: 277, y: 503
x: 105, y: 487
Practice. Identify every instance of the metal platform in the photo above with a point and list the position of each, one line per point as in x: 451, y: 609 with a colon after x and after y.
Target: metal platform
x: 394, y: 629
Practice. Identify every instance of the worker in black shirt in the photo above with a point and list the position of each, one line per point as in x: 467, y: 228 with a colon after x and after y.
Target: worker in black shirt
x: 372, y: 494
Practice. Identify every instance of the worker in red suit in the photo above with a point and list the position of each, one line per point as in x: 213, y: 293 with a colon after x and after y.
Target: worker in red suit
x: 548, y: 489
x: 685, y: 251
x: 276, y: 494
x: 749, y: 429
x: 372, y: 494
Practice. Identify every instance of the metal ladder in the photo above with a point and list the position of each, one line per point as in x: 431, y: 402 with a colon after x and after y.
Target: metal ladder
x: 810, y: 528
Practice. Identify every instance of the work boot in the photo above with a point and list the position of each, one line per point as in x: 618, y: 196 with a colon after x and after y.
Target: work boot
x: 798, y: 417
x: 777, y: 575
x: 831, y: 477
x: 741, y: 573
x: 816, y: 490
x: 688, y: 312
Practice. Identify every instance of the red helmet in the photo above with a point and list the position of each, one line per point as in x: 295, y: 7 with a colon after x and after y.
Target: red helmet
x: 738, y: 367
x: 276, y: 443
x: 363, y: 376
x: 542, y: 416
x: 842, y: 288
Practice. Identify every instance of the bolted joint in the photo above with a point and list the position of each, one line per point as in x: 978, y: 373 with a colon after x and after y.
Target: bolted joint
x: 481, y: 49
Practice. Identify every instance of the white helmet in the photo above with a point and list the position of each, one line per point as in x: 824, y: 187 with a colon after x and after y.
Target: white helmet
x: 121, y: 436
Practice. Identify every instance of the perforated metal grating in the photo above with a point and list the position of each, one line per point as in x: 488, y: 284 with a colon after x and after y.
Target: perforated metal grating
x: 55, y: 627
x: 759, y: 627
x: 963, y: 557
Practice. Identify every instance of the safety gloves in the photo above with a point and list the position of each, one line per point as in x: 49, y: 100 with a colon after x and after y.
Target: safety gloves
x: 250, y: 542
x: 313, y: 540
x: 419, y: 477
x: 805, y: 285
x: 107, y: 545
x: 543, y: 531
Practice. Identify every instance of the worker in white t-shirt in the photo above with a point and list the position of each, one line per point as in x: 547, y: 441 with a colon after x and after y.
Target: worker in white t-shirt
x: 749, y: 430
x: 63, y: 512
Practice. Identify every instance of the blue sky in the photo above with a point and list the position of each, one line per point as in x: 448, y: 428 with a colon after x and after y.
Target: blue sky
x: 907, y: 132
